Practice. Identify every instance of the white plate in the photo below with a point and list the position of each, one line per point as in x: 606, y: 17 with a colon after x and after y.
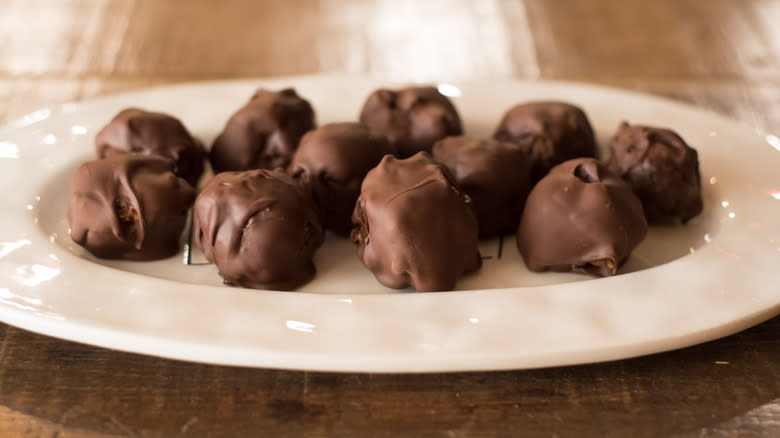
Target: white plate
x: 683, y: 285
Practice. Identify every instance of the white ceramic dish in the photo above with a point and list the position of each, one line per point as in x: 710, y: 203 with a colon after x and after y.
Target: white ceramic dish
x: 683, y: 285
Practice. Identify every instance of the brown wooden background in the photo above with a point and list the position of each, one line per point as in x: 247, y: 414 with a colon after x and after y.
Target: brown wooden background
x: 718, y: 54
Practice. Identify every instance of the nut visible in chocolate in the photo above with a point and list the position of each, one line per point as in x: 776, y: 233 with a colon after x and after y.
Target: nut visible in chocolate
x: 552, y: 131
x: 129, y: 206
x: 581, y: 218
x: 332, y: 161
x: 259, y: 227
x: 412, y: 119
x: 143, y: 132
x: 413, y: 226
x: 264, y: 133
x: 496, y: 175
x: 662, y: 170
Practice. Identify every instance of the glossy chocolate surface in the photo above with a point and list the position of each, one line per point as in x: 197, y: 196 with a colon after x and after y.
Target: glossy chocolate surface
x: 412, y: 119
x: 581, y: 218
x: 129, y: 206
x: 149, y: 133
x: 264, y: 133
x: 332, y: 161
x: 496, y: 175
x: 413, y: 227
x: 661, y: 169
x: 552, y: 131
x: 260, y: 229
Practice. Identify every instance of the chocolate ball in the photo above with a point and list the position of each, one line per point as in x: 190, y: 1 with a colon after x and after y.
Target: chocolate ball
x: 264, y: 133
x: 412, y: 119
x: 552, y: 131
x: 581, y: 218
x: 148, y: 133
x: 260, y: 229
x: 332, y: 161
x: 496, y: 175
x: 129, y: 206
x: 413, y: 227
x: 661, y: 169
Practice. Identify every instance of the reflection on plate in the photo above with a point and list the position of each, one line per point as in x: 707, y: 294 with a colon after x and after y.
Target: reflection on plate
x: 683, y: 285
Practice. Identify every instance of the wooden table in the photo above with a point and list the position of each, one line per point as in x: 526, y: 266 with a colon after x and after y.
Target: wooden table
x: 719, y: 54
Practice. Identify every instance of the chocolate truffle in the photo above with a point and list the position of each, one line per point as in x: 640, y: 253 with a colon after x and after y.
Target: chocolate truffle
x: 661, y: 169
x: 260, y: 229
x: 496, y: 175
x: 581, y: 218
x: 553, y: 132
x: 413, y: 226
x: 264, y: 133
x: 149, y: 133
x: 412, y: 119
x: 333, y: 160
x: 129, y: 206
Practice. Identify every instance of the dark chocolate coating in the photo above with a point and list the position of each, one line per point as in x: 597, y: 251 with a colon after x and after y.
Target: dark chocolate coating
x: 264, y: 133
x: 148, y: 133
x: 496, y: 175
x: 661, y: 169
x: 260, y: 229
x: 333, y: 160
x: 581, y: 218
x: 412, y: 119
x: 129, y: 206
x: 553, y: 132
x: 413, y: 227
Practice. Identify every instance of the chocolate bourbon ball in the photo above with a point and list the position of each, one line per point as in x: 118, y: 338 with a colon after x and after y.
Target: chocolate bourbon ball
x: 129, y: 206
x: 552, y: 131
x: 412, y: 119
x: 580, y: 218
x: 413, y: 226
x: 260, y: 229
x: 264, y: 133
x: 148, y: 133
x: 661, y: 169
x: 332, y: 161
x: 496, y: 175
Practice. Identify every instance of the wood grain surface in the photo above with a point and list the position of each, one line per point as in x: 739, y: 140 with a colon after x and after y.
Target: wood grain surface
x: 723, y: 55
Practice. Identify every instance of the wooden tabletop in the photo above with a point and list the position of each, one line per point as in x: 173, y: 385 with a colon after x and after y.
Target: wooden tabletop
x: 723, y: 55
